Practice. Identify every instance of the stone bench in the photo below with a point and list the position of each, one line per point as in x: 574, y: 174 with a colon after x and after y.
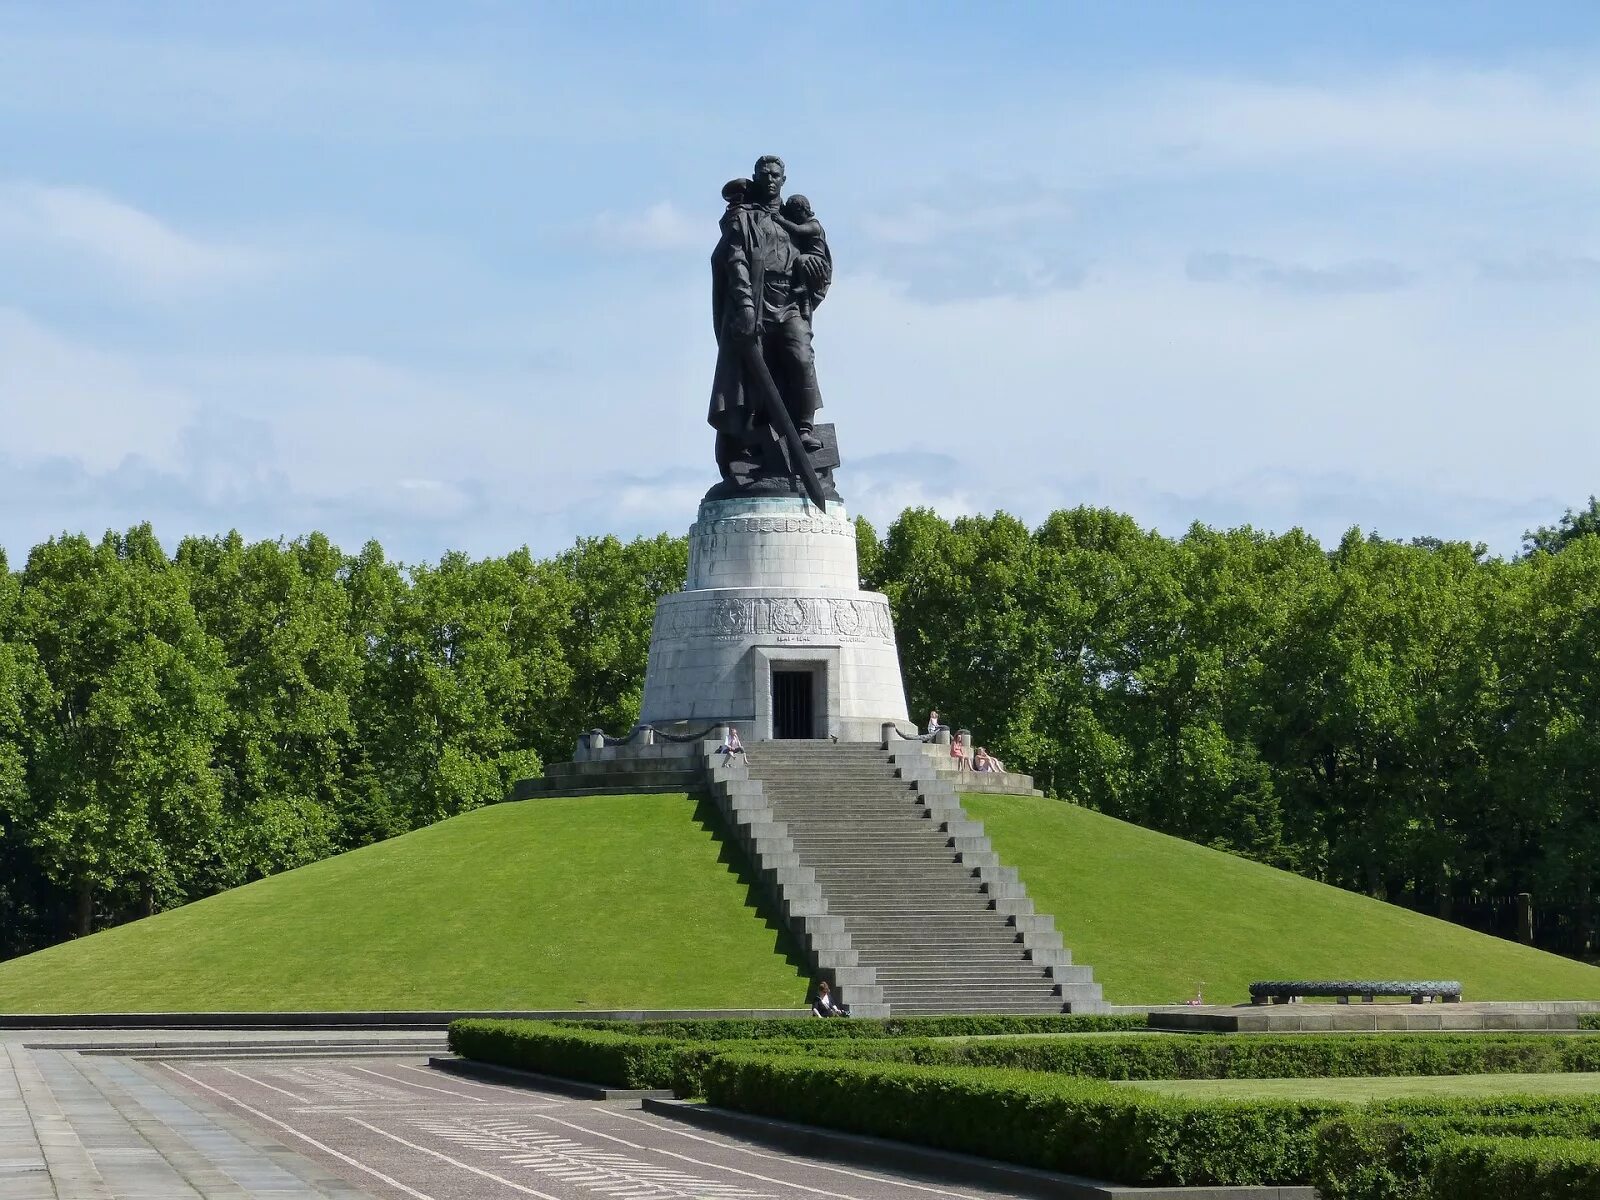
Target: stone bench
x: 1419, y: 991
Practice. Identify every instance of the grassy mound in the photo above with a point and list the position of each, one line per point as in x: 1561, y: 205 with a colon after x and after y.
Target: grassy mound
x: 631, y: 902
x: 609, y: 902
x: 1155, y: 916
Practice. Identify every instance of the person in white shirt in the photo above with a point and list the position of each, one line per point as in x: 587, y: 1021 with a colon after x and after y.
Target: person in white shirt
x: 732, y: 746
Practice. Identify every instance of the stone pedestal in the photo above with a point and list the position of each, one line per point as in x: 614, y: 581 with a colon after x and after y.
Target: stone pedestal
x: 772, y: 632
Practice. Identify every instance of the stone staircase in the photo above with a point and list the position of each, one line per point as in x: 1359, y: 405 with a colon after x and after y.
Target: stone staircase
x: 894, y: 893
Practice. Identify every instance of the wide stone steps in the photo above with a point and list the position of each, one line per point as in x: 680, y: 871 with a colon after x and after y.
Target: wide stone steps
x: 887, y: 882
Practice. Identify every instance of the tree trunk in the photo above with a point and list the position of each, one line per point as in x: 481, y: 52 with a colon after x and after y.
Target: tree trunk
x: 83, y: 919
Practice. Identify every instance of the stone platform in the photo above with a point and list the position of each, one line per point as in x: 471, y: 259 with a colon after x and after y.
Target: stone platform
x: 773, y: 599
x: 1544, y: 1016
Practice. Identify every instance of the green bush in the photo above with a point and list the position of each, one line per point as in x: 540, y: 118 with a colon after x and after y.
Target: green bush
x: 629, y: 1056
x: 1589, y: 1020
x: 1389, y: 1155
x: 1497, y: 1168
x: 1266, y: 1056
x: 603, y: 1056
x: 811, y: 1029
x: 594, y: 1056
x: 1049, y: 1121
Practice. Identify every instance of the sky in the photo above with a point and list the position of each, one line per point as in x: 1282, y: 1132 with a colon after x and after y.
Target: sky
x: 438, y: 274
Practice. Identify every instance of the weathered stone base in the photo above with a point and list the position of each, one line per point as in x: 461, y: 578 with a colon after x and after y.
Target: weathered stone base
x: 772, y: 588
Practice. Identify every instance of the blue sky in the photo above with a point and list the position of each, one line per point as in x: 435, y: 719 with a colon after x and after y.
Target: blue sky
x: 437, y: 274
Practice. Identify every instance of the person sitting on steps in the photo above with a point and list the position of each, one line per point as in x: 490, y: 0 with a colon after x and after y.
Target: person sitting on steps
x: 981, y: 760
x: 825, y: 1005
x: 732, y: 746
x: 958, y: 751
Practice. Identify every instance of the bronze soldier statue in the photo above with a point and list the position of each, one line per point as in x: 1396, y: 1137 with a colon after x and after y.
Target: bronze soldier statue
x: 770, y: 270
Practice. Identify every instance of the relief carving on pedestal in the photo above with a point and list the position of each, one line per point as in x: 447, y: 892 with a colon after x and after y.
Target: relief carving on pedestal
x: 728, y: 525
x: 729, y: 618
x: 779, y: 616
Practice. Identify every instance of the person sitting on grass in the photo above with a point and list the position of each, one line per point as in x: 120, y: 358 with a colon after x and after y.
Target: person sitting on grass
x: 825, y: 1005
x: 732, y: 746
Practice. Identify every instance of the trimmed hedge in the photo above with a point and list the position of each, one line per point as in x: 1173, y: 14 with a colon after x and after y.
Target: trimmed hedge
x: 1492, y: 1168
x: 811, y: 1029
x: 599, y: 1052
x: 1389, y: 1156
x: 1589, y: 1020
x: 1050, y: 1121
x: 1259, y: 1056
x: 1047, y: 1102
x: 594, y: 1056
x: 602, y: 1056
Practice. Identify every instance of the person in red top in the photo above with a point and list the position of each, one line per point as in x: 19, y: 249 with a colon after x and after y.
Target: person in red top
x: 958, y: 751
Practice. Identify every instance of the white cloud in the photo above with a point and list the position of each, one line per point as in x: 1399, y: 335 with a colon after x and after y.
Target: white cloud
x: 1410, y: 119
x: 62, y: 397
x: 662, y: 226
x: 927, y: 221
x: 1358, y: 275
x: 132, y: 243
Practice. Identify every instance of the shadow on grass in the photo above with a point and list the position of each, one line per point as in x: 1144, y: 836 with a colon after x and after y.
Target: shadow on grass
x: 731, y: 855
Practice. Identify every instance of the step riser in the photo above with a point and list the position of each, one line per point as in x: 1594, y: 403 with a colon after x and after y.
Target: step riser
x: 896, y: 894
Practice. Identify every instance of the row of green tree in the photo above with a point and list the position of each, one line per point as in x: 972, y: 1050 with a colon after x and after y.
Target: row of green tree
x: 1418, y: 721
x: 174, y: 726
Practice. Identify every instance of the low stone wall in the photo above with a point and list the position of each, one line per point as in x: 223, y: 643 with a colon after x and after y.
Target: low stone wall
x: 640, y: 765
x: 1510, y: 1016
x: 934, y: 757
x: 646, y: 762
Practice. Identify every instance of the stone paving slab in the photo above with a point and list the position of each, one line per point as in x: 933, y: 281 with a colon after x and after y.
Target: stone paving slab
x: 24, y: 1174
x: 407, y: 1131
x: 88, y: 1127
x: 366, y: 1021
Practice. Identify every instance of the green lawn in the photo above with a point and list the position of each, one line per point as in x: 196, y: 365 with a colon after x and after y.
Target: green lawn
x: 607, y: 902
x: 1155, y: 916
x: 628, y: 902
x: 1382, y: 1087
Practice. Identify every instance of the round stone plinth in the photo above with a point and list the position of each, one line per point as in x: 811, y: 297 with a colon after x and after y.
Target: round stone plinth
x: 772, y: 541
x: 773, y: 632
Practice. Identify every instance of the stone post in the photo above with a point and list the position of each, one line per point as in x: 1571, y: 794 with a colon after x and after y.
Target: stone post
x: 1525, y: 918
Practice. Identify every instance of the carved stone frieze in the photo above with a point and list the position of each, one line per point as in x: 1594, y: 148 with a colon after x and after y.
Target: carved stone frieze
x: 843, y: 618
x: 731, y: 525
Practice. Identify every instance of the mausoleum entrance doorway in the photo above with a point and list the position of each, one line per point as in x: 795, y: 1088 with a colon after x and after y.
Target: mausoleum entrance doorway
x: 794, y: 706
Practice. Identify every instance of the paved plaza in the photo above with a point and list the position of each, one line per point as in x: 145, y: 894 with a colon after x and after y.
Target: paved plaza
x: 215, y: 1118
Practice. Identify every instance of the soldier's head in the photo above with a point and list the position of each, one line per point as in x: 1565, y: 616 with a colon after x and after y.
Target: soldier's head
x: 766, y: 181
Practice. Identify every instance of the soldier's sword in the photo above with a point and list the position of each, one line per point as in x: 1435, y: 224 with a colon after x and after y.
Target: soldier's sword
x: 756, y: 372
